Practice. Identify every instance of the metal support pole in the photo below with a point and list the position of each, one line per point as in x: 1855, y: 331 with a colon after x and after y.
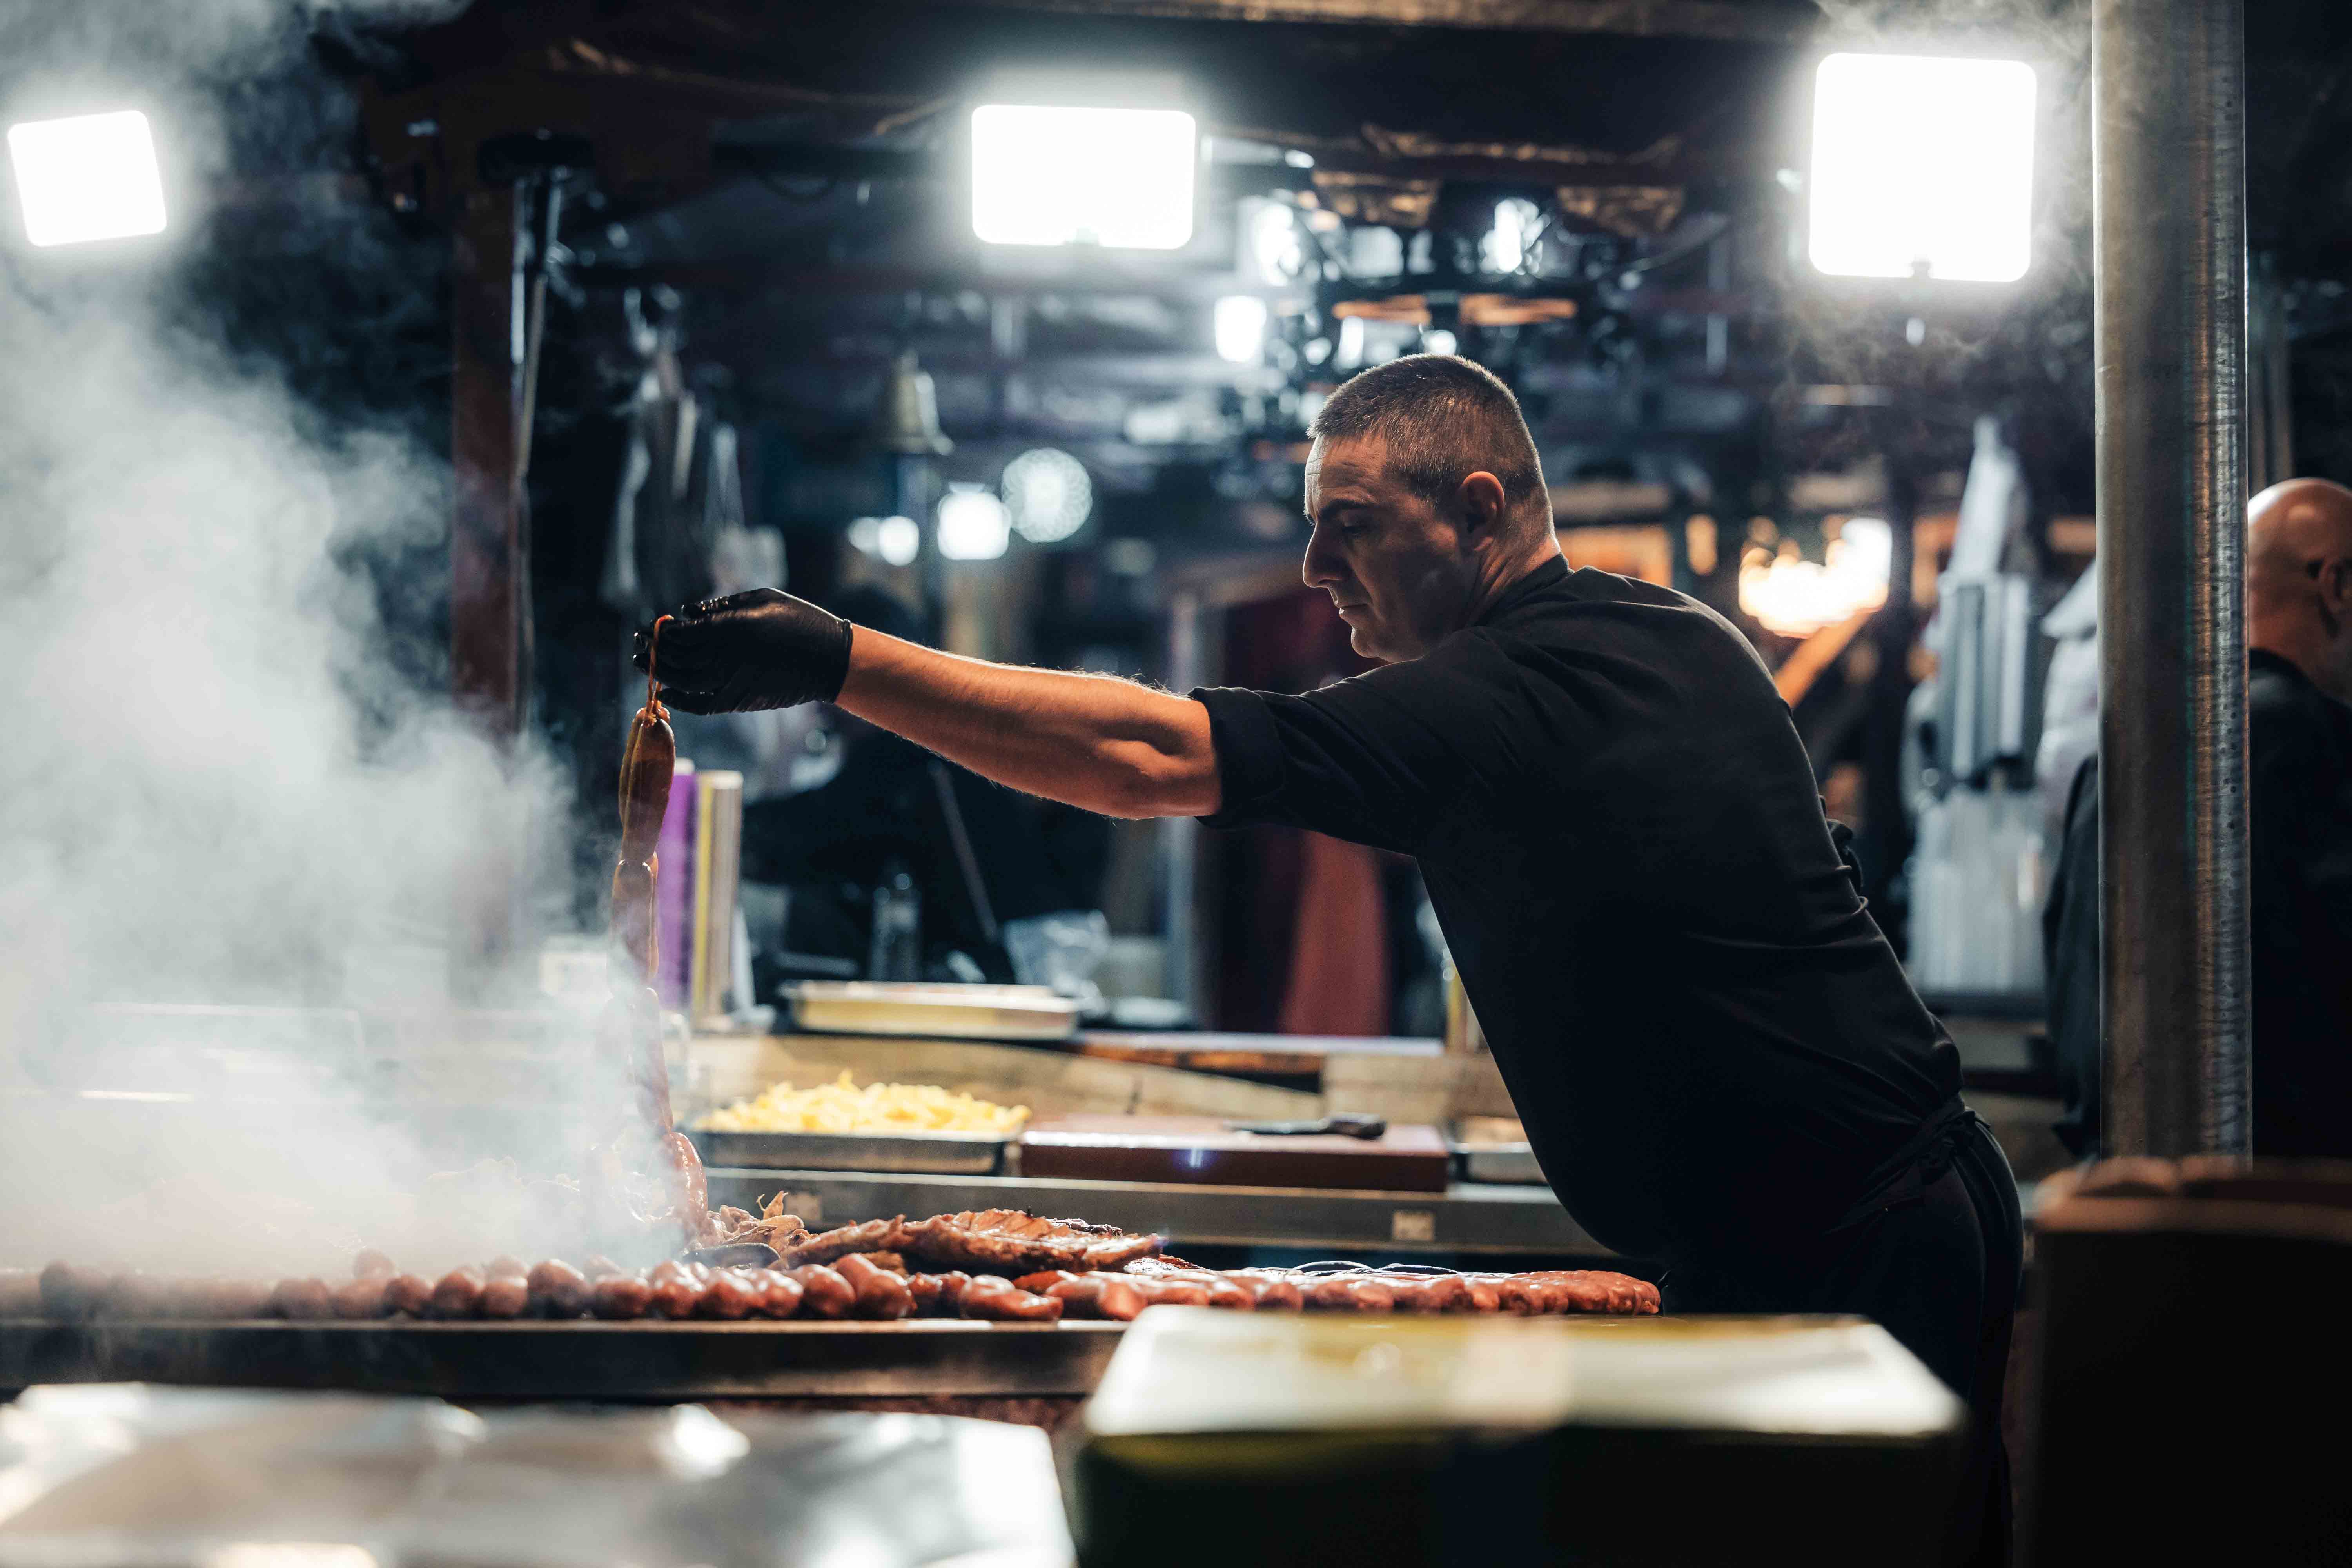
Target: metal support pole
x: 2168, y: 107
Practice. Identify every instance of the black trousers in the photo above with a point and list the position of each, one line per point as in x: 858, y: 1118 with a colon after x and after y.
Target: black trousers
x: 1937, y: 1266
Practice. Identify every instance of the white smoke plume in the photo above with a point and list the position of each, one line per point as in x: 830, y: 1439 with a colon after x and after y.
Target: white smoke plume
x: 219, y: 791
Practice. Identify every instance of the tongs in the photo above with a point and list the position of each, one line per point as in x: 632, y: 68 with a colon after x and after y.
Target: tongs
x: 1346, y: 1123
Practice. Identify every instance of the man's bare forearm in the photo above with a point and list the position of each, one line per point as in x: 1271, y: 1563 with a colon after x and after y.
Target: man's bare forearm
x: 1089, y: 741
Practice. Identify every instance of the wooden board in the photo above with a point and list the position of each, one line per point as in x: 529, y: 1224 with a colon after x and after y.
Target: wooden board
x: 1197, y: 1150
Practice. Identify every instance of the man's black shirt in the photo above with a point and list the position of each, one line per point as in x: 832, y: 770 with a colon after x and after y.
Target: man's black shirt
x: 2299, y: 907
x: 1710, y: 1043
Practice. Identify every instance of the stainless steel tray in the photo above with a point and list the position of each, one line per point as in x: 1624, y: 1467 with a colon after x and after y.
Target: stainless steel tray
x: 1479, y: 1156
x: 929, y: 1153
x: 967, y: 1012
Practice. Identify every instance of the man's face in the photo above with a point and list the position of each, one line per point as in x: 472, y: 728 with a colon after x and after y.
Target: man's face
x: 1392, y: 562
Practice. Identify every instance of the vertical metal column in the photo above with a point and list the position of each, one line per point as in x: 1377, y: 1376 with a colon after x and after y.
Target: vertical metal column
x: 1179, y: 836
x: 490, y: 564
x: 2168, y: 107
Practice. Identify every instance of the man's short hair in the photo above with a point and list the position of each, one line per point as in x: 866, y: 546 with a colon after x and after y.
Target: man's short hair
x: 1444, y: 419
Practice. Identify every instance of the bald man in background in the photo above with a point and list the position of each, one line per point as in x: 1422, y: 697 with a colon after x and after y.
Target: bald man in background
x: 2299, y: 809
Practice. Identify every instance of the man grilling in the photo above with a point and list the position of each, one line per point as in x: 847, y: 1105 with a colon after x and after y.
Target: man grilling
x: 1717, y: 1057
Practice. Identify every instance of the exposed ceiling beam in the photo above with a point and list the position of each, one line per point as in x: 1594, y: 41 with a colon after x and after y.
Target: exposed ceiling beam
x: 1736, y: 21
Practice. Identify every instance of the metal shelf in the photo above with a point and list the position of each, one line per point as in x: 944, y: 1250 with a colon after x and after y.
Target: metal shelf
x: 1468, y: 1217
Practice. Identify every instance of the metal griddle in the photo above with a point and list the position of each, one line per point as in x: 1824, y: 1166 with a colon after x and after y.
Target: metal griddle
x: 648, y: 1359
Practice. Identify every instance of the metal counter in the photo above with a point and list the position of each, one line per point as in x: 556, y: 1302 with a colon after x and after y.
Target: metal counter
x: 1468, y: 1217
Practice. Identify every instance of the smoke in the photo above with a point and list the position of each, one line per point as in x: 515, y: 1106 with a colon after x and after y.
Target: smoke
x: 227, y: 786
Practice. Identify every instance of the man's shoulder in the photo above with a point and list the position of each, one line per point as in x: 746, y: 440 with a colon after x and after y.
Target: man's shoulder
x: 1589, y: 607
x: 2287, y: 716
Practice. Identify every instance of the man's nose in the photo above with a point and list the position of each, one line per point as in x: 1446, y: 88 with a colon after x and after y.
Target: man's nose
x: 1320, y: 569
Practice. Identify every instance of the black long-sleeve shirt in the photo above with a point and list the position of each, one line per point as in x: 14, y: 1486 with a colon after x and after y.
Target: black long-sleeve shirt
x: 2299, y: 896
x: 1710, y: 1043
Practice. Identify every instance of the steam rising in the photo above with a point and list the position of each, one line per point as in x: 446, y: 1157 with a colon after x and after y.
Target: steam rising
x: 219, y: 790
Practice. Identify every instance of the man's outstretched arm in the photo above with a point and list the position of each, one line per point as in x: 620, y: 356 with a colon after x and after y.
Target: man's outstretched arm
x: 1089, y: 741
x: 1092, y: 741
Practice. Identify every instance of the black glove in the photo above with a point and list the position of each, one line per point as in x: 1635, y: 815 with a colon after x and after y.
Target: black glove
x: 752, y: 651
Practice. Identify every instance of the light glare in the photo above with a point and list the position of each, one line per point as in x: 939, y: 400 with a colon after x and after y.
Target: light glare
x: 1048, y: 494
x: 973, y: 524
x: 1796, y: 597
x: 1504, y: 246
x: 89, y: 177
x: 1241, y: 328
x: 1923, y: 167
x: 1046, y: 175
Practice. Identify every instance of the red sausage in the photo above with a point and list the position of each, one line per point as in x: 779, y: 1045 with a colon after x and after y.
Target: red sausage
x: 408, y: 1293
x: 731, y: 1295
x: 557, y: 1289
x: 301, y: 1300
x: 364, y: 1298
x: 370, y: 1264
x: 880, y: 1293
x: 938, y: 1295
x: 1228, y: 1297
x: 1485, y: 1291
x: 824, y: 1293
x: 20, y: 1293
x: 1272, y: 1293
x: 1042, y: 1280
x: 995, y: 1298
x: 677, y: 1292
x: 621, y: 1297
x: 505, y: 1297
x: 1165, y: 1291
x: 780, y: 1293
x: 1098, y: 1296
x: 69, y: 1292
x: 458, y: 1293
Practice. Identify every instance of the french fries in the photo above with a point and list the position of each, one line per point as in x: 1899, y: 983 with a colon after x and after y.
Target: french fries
x: 842, y: 1107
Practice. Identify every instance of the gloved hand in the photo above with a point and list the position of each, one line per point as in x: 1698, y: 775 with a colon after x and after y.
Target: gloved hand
x: 751, y: 650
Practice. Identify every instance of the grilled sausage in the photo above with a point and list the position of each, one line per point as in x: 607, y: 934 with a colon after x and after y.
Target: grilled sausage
x: 880, y: 1293
x: 367, y: 1263
x: 1227, y: 1296
x: 995, y: 1298
x: 505, y: 1297
x: 133, y: 1295
x: 237, y: 1300
x: 411, y: 1294
x: 301, y: 1300
x: 780, y: 1293
x: 362, y: 1299
x: 1165, y: 1292
x: 1272, y: 1291
x: 824, y: 1293
x: 1485, y: 1291
x: 676, y: 1291
x: 620, y: 1297
x: 1042, y: 1280
x: 20, y: 1293
x: 458, y: 1293
x: 1102, y: 1296
x: 729, y: 1296
x: 557, y: 1289
x: 938, y: 1295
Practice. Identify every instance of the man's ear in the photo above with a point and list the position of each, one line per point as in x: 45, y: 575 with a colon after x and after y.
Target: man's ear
x: 1484, y: 505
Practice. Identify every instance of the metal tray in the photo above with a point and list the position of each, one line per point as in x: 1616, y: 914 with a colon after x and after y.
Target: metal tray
x: 1479, y: 1156
x: 928, y: 1153
x: 965, y: 1012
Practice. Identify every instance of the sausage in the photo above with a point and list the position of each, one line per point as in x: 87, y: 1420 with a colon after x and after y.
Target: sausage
x: 1441, y: 1293
x: 995, y: 1298
x: 824, y: 1293
x: 1105, y: 1296
x: 362, y: 1299
x: 505, y: 1297
x: 728, y: 1295
x: 1485, y: 1291
x: 1523, y: 1295
x: 676, y: 1291
x: 1352, y: 1293
x: 505, y: 1267
x: 1227, y: 1296
x: 1042, y: 1280
x: 411, y: 1294
x: 301, y: 1300
x: 557, y: 1289
x: 71, y: 1293
x: 938, y: 1295
x: 133, y: 1295
x: 20, y: 1293
x: 780, y: 1293
x: 1165, y: 1291
x: 236, y: 1299
x: 880, y: 1293
x: 1271, y: 1293
x: 458, y: 1293
x: 367, y: 1263
x: 620, y: 1297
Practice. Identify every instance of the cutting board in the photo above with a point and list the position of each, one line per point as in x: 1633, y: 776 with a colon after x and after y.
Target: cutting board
x: 1201, y: 1149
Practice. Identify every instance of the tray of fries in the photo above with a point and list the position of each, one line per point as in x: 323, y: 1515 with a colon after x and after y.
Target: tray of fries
x: 839, y: 1126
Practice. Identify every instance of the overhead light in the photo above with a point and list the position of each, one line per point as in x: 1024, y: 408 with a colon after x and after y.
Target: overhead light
x: 894, y: 539
x: 1056, y: 174
x: 1438, y: 340
x: 91, y: 177
x: 973, y: 524
x: 1048, y: 495
x: 1923, y: 167
x: 1276, y: 249
x: 1240, y: 326
x: 1797, y: 597
x: 1504, y: 246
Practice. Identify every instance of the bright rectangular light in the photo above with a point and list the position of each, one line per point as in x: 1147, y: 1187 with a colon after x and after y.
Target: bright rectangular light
x: 1046, y: 175
x: 1923, y: 167
x: 89, y: 177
